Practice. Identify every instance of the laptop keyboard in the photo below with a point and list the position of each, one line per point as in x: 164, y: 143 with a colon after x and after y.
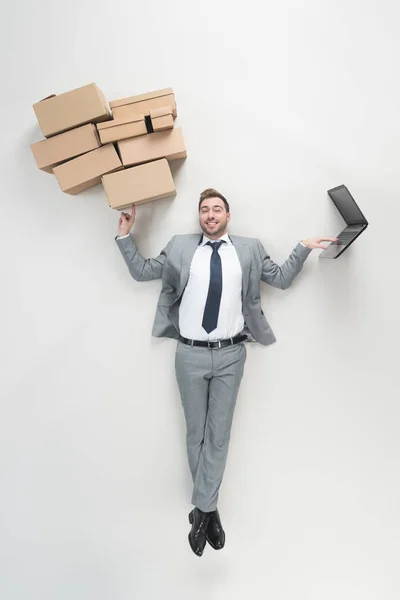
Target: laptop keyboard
x: 344, y: 238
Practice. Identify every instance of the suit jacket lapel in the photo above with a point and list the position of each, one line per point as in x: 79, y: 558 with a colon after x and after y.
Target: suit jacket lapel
x: 243, y: 252
x: 187, y: 255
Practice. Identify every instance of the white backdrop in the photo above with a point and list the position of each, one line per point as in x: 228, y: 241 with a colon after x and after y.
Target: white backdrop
x: 278, y: 102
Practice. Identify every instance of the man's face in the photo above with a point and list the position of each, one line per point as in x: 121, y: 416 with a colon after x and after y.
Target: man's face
x: 213, y: 218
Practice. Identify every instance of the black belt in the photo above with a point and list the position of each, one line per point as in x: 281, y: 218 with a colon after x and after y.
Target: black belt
x: 220, y: 344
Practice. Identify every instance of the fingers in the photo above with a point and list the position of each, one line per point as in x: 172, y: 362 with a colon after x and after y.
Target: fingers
x: 126, y: 217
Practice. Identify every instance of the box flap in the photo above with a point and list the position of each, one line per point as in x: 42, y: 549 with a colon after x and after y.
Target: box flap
x: 103, y: 99
x: 163, y: 111
x: 116, y: 122
x: 148, y: 96
x: 47, y: 98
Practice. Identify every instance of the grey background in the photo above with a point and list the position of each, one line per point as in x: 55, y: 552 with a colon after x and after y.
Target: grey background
x: 278, y: 102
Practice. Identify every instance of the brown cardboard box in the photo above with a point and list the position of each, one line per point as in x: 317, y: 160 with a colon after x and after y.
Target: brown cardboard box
x: 137, y: 185
x: 161, y: 118
x: 121, y: 129
x: 163, y: 144
x: 86, y: 171
x: 71, y: 109
x: 142, y: 104
x: 60, y: 148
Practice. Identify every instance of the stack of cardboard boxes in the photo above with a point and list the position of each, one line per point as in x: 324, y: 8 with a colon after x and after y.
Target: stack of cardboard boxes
x: 126, y: 145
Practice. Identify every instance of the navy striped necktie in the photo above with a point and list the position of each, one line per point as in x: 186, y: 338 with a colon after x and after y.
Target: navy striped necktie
x: 211, y: 310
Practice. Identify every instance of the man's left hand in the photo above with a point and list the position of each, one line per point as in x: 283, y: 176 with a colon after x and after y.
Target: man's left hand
x: 315, y: 242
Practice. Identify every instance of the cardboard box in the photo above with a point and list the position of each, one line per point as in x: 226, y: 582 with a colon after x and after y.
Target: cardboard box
x: 137, y: 185
x: 121, y: 129
x: 60, y: 148
x: 126, y: 107
x: 86, y: 171
x: 161, y: 118
x: 71, y: 109
x: 163, y: 144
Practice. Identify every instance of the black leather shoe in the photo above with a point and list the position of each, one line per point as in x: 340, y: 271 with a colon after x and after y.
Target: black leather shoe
x: 197, y: 535
x: 215, y: 535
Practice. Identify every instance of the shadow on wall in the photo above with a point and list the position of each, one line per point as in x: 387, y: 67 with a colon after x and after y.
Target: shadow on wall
x: 341, y: 293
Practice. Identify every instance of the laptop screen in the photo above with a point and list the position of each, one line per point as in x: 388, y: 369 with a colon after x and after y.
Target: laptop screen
x: 346, y: 205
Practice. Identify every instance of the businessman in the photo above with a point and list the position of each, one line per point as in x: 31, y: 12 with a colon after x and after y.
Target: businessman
x: 210, y: 303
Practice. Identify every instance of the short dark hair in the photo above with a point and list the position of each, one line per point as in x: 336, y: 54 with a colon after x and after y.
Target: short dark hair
x: 211, y: 193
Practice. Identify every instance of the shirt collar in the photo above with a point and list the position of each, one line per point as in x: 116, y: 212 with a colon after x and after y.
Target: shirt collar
x: 224, y: 238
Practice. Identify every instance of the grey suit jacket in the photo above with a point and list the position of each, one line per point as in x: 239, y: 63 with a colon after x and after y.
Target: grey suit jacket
x: 173, y: 264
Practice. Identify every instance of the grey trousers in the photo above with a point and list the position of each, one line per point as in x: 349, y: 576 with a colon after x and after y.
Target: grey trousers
x: 208, y: 381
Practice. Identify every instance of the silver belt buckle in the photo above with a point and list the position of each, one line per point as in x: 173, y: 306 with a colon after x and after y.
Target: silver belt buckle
x: 209, y: 344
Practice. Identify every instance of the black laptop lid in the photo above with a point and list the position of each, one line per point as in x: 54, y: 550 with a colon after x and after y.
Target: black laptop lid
x: 347, y: 206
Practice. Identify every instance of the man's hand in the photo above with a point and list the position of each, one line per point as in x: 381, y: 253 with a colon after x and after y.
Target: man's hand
x: 315, y: 242
x: 126, y: 222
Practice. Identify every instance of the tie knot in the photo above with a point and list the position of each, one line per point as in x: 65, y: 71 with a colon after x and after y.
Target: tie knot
x: 216, y: 245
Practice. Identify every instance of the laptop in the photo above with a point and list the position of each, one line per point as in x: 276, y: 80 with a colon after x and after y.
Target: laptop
x: 356, y: 223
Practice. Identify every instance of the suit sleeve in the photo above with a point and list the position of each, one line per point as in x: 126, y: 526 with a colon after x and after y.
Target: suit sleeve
x: 282, y: 276
x: 142, y: 269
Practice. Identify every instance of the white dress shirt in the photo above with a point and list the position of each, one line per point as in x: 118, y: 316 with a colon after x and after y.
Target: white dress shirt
x: 191, y: 310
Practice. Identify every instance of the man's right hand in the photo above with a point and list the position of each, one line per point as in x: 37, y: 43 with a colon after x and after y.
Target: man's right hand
x: 126, y: 222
